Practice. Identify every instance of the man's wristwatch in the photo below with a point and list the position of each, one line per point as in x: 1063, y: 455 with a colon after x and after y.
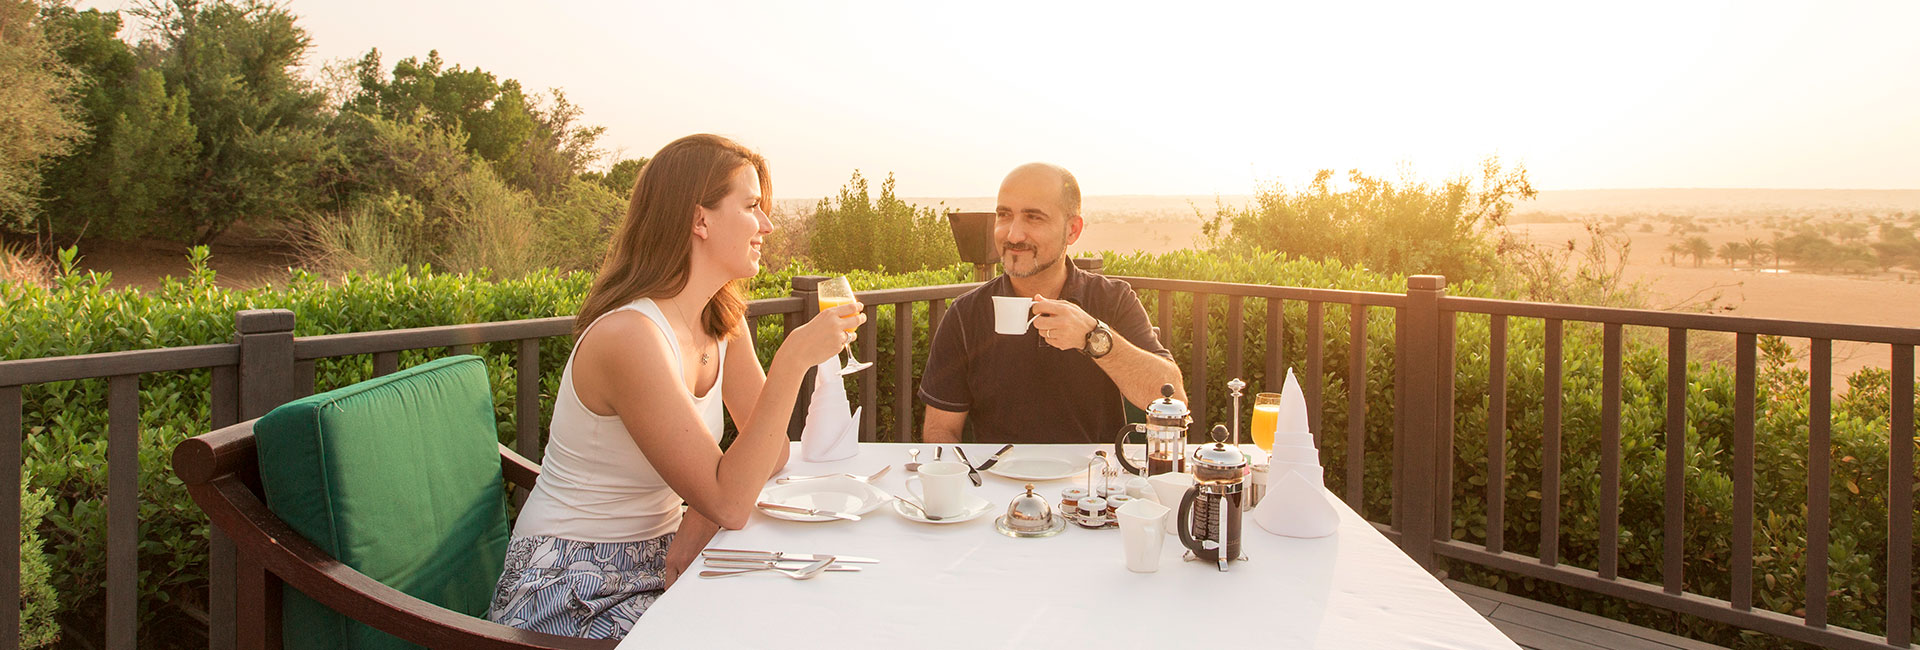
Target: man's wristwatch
x: 1099, y: 341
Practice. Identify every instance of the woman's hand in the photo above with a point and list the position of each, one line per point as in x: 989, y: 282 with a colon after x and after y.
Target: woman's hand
x: 824, y: 336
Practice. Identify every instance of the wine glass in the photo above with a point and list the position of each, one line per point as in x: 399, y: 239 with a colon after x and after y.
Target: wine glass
x: 1266, y: 415
x: 834, y: 293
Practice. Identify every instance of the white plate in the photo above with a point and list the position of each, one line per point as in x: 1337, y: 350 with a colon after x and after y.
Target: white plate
x: 838, y: 494
x: 975, y: 506
x: 1038, y: 467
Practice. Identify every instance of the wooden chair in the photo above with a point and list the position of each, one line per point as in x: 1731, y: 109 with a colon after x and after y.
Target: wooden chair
x: 222, y: 472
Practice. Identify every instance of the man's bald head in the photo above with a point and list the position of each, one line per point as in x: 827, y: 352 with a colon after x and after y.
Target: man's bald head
x: 1055, y: 176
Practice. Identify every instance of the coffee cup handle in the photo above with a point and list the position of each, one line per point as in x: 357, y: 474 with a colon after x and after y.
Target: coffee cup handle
x: 913, y: 482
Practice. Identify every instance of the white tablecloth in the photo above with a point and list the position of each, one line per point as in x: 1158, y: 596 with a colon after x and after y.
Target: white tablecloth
x: 966, y: 586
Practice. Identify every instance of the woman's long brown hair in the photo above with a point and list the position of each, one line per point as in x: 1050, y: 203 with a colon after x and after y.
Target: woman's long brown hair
x: 651, y: 255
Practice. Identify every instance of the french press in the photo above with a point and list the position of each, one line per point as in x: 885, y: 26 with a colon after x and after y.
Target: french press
x: 1166, y: 429
x: 1209, y: 519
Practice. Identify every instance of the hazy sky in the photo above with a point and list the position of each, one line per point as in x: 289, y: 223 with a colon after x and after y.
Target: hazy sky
x: 1146, y: 98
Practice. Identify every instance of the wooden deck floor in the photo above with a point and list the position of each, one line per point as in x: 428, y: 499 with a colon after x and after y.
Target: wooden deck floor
x: 1540, y: 626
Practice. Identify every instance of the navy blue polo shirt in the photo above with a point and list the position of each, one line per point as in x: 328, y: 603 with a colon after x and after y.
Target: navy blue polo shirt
x: 1019, y: 389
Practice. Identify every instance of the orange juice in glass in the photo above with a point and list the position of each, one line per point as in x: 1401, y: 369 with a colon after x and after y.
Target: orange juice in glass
x: 827, y: 303
x: 834, y: 293
x: 1266, y: 418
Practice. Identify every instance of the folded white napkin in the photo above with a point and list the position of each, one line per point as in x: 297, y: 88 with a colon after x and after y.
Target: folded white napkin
x: 1293, y: 408
x: 831, y: 433
x: 1295, y: 506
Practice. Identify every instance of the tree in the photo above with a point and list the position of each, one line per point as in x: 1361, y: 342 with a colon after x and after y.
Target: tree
x: 1674, y: 252
x: 1394, y: 227
x: 39, y: 118
x: 130, y: 179
x: 1698, y: 249
x: 257, y: 123
x: 532, y: 146
x: 619, y: 178
x: 1757, y: 249
x: 1733, y: 251
x: 858, y: 231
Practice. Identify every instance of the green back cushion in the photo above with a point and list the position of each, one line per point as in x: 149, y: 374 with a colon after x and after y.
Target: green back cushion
x: 397, y: 477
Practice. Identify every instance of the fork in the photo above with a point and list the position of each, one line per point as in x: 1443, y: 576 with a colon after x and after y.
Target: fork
x: 863, y: 479
x: 803, y: 573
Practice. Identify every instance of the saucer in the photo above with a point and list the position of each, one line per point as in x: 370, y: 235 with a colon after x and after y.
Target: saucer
x: 975, y: 506
x: 1059, y: 524
x: 838, y: 494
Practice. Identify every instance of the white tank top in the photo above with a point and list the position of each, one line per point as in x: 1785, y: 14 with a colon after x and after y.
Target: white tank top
x: 595, y: 485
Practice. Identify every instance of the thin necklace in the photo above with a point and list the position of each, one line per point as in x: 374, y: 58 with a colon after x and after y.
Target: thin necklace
x: 692, y: 329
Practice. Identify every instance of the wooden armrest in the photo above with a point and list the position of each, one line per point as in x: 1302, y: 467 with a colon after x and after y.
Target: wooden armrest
x: 262, y: 537
x: 517, y: 469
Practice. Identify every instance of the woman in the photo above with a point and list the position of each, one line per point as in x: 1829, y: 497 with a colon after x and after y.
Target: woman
x: 636, y: 423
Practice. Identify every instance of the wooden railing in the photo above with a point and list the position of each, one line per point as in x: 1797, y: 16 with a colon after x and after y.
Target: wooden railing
x: 267, y: 365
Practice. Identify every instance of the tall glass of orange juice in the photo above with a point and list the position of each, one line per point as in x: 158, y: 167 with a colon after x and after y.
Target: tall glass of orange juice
x: 1266, y: 417
x: 837, y: 292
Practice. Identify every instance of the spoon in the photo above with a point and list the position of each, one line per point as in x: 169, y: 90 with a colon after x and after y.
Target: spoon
x: 923, y: 511
x: 913, y: 458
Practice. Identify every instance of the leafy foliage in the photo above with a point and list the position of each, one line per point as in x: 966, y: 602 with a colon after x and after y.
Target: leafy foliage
x: 858, y: 231
x: 532, y: 147
x: 36, y: 105
x: 131, y: 177
x: 1404, y: 227
x: 79, y: 314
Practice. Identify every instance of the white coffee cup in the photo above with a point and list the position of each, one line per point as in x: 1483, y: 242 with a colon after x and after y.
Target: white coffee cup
x: 1141, y: 523
x: 941, y: 487
x: 1012, y: 315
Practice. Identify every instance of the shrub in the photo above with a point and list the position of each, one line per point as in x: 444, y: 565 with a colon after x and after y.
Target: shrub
x: 860, y: 231
x: 1404, y: 227
x: 78, y: 314
x: 38, y: 601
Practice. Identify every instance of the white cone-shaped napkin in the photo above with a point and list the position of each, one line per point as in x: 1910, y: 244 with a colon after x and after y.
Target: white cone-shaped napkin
x: 1292, y: 418
x: 831, y: 433
x: 1294, y: 507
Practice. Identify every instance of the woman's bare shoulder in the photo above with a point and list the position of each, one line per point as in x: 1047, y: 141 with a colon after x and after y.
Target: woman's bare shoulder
x: 623, y: 336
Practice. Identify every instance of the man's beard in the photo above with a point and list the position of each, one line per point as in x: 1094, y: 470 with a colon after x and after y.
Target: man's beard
x: 1040, y: 266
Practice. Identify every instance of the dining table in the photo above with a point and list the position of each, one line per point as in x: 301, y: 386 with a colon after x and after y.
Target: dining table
x: 965, y: 585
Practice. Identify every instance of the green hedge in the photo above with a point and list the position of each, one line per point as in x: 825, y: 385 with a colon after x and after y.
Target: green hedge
x: 66, y: 423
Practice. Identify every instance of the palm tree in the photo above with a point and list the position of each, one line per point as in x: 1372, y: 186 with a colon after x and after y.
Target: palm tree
x: 1674, y: 251
x: 1732, y: 251
x: 1698, y: 249
x: 1757, y: 249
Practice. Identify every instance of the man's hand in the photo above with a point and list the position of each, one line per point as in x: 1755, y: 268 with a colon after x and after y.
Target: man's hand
x: 1062, y: 324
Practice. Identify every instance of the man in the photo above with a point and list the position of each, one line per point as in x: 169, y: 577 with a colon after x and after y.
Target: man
x: 1089, y: 347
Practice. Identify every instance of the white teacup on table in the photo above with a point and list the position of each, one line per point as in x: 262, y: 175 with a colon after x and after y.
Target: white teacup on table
x: 940, y: 487
x: 1012, y: 315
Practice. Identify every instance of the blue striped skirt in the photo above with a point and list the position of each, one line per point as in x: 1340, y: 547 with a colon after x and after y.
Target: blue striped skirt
x: 595, y: 590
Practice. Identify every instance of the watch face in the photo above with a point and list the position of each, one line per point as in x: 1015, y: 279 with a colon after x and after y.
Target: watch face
x: 1099, y: 343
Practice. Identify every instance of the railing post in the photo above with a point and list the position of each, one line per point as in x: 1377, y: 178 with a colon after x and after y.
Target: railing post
x: 265, y: 381
x: 1090, y: 264
x: 266, y: 359
x: 1414, y: 496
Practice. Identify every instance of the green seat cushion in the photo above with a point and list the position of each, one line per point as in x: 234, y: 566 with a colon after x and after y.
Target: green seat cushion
x: 397, y: 477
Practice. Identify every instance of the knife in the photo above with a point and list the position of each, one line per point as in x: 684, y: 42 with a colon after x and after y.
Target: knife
x: 718, y: 563
x: 761, y: 556
x: 972, y: 472
x: 807, y: 511
x: 995, y: 459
